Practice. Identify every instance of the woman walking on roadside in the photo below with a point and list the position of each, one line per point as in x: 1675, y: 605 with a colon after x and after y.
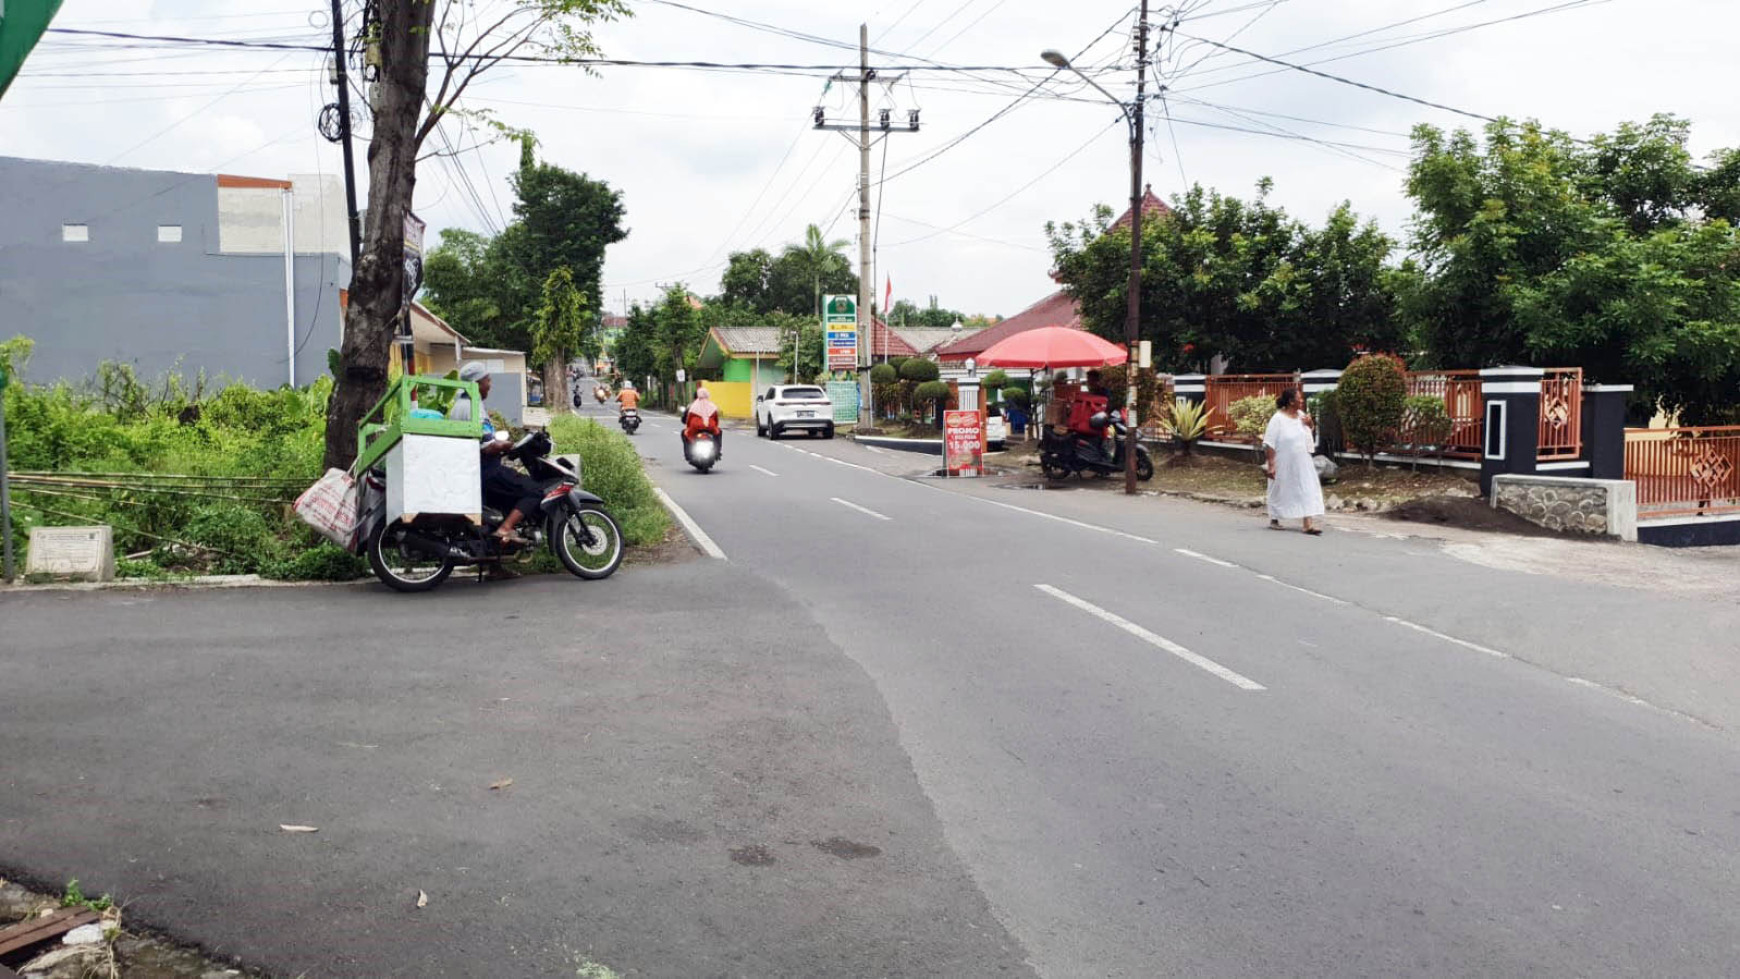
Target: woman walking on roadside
x: 1293, y: 488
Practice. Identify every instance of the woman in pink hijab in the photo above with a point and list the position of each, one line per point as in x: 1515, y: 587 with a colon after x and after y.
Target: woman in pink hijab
x: 702, y: 416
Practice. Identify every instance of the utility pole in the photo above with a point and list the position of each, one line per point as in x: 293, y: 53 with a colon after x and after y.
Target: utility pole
x: 866, y: 289
x: 1133, y: 315
x: 343, y: 133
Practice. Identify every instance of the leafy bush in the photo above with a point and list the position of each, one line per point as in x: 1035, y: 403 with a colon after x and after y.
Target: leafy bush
x: 995, y: 381
x: 1370, y: 400
x: 919, y: 370
x: 611, y: 468
x: 884, y: 374
x: 239, y: 539
x: 927, y: 395
x: 1251, y: 415
x: 1426, y: 425
x: 322, y: 562
x: 1017, y: 397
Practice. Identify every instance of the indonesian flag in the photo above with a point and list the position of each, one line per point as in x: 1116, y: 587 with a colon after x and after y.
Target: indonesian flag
x: 888, y: 296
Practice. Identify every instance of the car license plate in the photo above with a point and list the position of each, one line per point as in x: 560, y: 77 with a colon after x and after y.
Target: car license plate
x: 806, y: 414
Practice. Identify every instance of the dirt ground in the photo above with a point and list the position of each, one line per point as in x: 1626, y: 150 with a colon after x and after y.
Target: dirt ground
x: 1218, y: 477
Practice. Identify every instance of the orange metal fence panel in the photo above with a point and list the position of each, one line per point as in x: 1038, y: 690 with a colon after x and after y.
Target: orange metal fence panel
x: 1684, y: 471
x: 1222, y: 390
x: 1561, y: 431
x: 1460, y: 390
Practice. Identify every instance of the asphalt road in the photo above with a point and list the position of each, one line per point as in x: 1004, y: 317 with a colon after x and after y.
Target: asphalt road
x: 1166, y: 741
x: 1087, y: 736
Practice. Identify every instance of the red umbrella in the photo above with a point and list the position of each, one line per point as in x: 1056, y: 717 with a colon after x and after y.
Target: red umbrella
x: 1053, y: 346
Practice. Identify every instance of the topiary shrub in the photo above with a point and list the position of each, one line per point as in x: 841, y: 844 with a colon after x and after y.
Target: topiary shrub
x: 992, y: 383
x: 928, y: 396
x: 884, y: 374
x: 1018, y: 398
x: 1370, y: 400
x: 919, y: 370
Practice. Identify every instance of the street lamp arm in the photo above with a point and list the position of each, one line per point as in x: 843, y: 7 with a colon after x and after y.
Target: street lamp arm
x: 1061, y: 63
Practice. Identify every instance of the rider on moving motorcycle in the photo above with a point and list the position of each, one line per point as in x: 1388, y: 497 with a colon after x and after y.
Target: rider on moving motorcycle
x: 703, y: 416
x: 505, y: 489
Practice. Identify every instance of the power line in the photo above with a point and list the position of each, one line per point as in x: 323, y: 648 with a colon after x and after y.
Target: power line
x: 1048, y: 171
x: 1347, y: 81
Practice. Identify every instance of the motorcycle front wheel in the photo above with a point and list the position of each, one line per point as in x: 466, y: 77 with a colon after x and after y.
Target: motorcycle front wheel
x: 404, y: 568
x: 588, y: 542
x: 1052, y: 468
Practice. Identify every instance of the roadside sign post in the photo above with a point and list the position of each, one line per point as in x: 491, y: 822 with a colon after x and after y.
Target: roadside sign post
x: 963, y: 443
x: 840, y: 329
x: 5, y: 490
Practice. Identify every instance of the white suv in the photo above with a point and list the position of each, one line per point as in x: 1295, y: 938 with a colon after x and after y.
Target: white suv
x: 794, y: 407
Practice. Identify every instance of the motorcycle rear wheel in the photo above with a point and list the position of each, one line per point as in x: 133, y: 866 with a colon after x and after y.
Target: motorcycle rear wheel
x: 594, y: 561
x: 1052, y: 468
x: 401, y: 569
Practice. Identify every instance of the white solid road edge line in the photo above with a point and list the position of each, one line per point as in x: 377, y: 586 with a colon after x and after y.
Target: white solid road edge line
x: 1451, y: 639
x: 1202, y: 662
x: 692, y: 528
x: 758, y: 469
x: 860, y: 509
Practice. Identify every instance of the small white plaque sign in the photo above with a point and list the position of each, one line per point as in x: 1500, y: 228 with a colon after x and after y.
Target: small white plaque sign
x: 72, y: 552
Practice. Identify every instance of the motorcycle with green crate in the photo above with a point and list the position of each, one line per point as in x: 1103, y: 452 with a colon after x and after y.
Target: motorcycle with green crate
x: 420, y: 513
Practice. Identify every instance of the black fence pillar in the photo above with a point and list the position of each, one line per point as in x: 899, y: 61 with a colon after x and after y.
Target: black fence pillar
x: 1511, y: 429
x: 1604, y: 429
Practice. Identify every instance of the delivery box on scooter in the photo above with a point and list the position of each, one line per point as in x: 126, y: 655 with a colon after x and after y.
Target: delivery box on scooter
x: 432, y: 464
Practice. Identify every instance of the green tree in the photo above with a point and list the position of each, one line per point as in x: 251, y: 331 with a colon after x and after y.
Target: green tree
x: 407, y: 40
x: 905, y: 312
x: 747, y: 280
x: 680, y: 332
x: 817, y: 259
x: 1239, y: 280
x: 558, y: 331
x: 1615, y: 255
x: 636, y: 352
x: 469, y: 282
x: 800, y: 351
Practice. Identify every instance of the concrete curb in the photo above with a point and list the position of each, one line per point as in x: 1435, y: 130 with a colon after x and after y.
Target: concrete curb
x: 926, y: 446
x: 200, y: 581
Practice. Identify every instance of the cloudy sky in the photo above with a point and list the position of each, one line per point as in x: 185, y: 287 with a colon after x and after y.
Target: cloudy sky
x: 711, y: 162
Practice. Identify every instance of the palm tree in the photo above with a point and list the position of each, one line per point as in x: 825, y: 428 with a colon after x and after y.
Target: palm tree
x: 818, y: 257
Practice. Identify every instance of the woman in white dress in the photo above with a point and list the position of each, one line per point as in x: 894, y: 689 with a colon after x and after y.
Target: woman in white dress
x: 1293, y: 488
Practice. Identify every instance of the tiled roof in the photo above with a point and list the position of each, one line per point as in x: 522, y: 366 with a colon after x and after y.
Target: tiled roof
x: 1056, y: 309
x: 924, y: 339
x: 1151, y: 206
x: 886, y: 342
x: 742, y: 341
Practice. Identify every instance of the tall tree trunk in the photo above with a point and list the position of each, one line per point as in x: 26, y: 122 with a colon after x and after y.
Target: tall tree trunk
x: 377, y: 284
x: 558, y: 396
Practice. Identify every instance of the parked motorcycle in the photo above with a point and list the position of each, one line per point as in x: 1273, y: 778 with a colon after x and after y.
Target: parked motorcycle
x: 1061, y: 456
x: 629, y: 419
x: 702, y: 451
x: 419, y: 554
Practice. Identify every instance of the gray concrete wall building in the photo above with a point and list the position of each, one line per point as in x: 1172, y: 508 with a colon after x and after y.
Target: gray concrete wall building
x: 169, y: 271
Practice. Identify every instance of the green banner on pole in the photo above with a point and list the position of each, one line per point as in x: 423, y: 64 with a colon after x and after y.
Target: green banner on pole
x: 21, y: 25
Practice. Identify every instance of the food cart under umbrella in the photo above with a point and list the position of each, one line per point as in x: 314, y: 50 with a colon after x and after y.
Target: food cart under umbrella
x: 1050, y: 348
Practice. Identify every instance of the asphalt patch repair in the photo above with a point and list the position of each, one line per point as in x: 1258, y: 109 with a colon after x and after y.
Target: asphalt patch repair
x: 845, y: 849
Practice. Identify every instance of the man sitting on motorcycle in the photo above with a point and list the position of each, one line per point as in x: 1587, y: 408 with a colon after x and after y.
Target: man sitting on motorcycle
x: 703, y: 416
x: 629, y: 397
x: 511, y: 492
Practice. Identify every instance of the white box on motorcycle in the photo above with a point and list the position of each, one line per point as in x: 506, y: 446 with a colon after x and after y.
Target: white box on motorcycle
x: 434, y: 474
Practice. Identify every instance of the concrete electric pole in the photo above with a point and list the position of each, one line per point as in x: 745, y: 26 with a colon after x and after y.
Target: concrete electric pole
x: 860, y: 133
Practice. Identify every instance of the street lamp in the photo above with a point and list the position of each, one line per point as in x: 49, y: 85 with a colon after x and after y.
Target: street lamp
x: 1133, y: 314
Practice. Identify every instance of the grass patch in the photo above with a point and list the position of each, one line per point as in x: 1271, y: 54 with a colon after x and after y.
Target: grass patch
x: 612, y: 469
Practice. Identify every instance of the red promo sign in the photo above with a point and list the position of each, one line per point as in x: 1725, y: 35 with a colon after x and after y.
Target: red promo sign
x: 963, y: 443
